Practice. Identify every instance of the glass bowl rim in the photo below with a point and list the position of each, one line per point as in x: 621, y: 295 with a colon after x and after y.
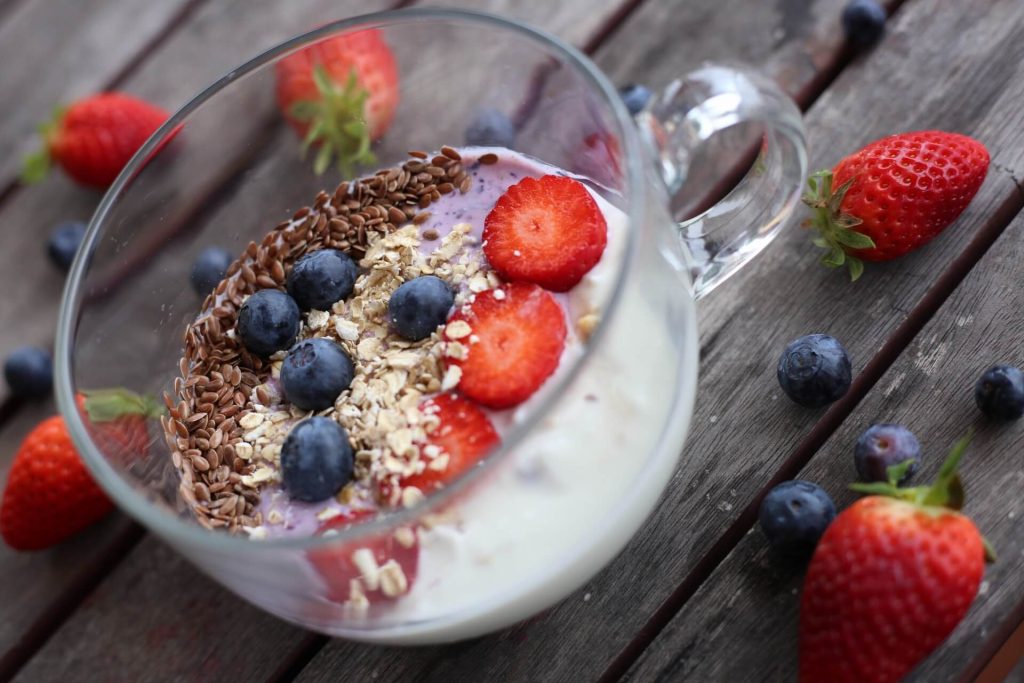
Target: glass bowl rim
x: 178, y: 530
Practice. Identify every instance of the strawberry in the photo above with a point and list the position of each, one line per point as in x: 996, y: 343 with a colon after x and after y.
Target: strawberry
x: 117, y: 421
x: 94, y: 138
x: 342, y: 566
x: 898, y: 192
x: 340, y: 94
x: 50, y: 494
x: 517, y: 336
x: 547, y: 230
x: 890, y: 579
x: 463, y: 434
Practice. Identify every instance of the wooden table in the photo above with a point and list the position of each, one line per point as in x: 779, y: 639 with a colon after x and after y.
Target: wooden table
x: 695, y: 596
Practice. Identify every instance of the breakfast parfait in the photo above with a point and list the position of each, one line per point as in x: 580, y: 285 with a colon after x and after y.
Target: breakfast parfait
x: 375, y: 347
x: 369, y: 352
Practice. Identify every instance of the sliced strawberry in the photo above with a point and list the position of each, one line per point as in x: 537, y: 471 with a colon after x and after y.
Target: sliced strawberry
x: 548, y: 231
x: 516, y: 340
x: 339, y: 566
x: 463, y: 434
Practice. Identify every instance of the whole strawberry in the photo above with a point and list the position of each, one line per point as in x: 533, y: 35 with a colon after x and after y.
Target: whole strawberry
x: 94, y: 138
x: 49, y: 495
x: 890, y: 579
x: 893, y: 196
x: 340, y: 94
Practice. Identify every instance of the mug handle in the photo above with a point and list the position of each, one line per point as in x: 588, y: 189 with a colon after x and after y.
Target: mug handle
x: 724, y: 236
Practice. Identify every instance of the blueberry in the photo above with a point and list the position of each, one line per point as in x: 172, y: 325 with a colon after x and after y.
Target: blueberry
x: 209, y: 268
x: 635, y: 97
x: 1000, y: 392
x: 268, y: 322
x: 29, y: 372
x: 863, y: 21
x: 491, y: 128
x: 794, y: 515
x: 314, y: 372
x: 880, y: 447
x: 316, y: 460
x: 814, y: 370
x: 321, y: 278
x: 418, y: 306
x: 64, y: 242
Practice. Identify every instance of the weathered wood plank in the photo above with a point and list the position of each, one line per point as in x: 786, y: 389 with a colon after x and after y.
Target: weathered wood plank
x: 54, y: 52
x: 750, y: 599
x: 35, y: 585
x: 150, y: 620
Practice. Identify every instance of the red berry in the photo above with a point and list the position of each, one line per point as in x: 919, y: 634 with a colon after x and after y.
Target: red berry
x: 50, y: 494
x: 889, y: 581
x: 903, y: 191
x: 463, y: 434
x: 339, y: 566
x: 347, y: 87
x: 517, y: 337
x: 548, y: 231
x: 95, y: 137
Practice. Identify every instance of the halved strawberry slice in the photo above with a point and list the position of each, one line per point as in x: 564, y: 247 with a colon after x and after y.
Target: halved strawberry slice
x: 383, y: 566
x: 548, y: 231
x: 462, y: 436
x: 517, y: 333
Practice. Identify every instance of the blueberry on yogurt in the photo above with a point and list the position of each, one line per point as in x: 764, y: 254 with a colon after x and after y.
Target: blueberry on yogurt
x: 316, y: 460
x: 268, y: 322
x: 419, y: 306
x: 314, y: 372
x: 321, y: 278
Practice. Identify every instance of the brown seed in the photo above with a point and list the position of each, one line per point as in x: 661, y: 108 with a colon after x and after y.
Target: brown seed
x: 200, y: 463
x: 451, y: 153
x: 466, y: 183
x: 489, y: 158
x: 435, y: 171
x: 418, y: 154
x: 395, y: 216
x: 266, y: 281
x: 421, y: 218
x: 430, y: 234
x: 445, y: 188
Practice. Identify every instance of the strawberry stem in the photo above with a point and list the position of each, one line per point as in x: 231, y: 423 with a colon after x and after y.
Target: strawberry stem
x: 36, y: 166
x: 337, y: 123
x: 107, y: 405
x: 835, y: 228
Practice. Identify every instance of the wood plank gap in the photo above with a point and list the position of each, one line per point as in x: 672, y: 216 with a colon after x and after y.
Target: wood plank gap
x: 929, y: 304
x: 823, y: 79
x: 1001, y: 637
x: 611, y: 25
x: 37, y: 634
x: 12, y: 186
x: 292, y: 665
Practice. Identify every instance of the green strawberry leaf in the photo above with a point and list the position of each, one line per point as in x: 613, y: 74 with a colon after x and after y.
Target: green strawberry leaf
x: 35, y: 167
x: 834, y: 258
x: 896, y: 473
x: 854, y: 239
x: 856, y: 267
x: 106, y: 405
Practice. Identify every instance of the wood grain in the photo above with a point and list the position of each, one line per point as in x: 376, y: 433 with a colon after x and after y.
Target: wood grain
x: 751, y: 598
x: 151, y: 620
x: 55, y: 51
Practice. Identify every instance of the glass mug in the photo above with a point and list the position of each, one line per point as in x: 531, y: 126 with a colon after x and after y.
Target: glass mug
x: 586, y: 459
